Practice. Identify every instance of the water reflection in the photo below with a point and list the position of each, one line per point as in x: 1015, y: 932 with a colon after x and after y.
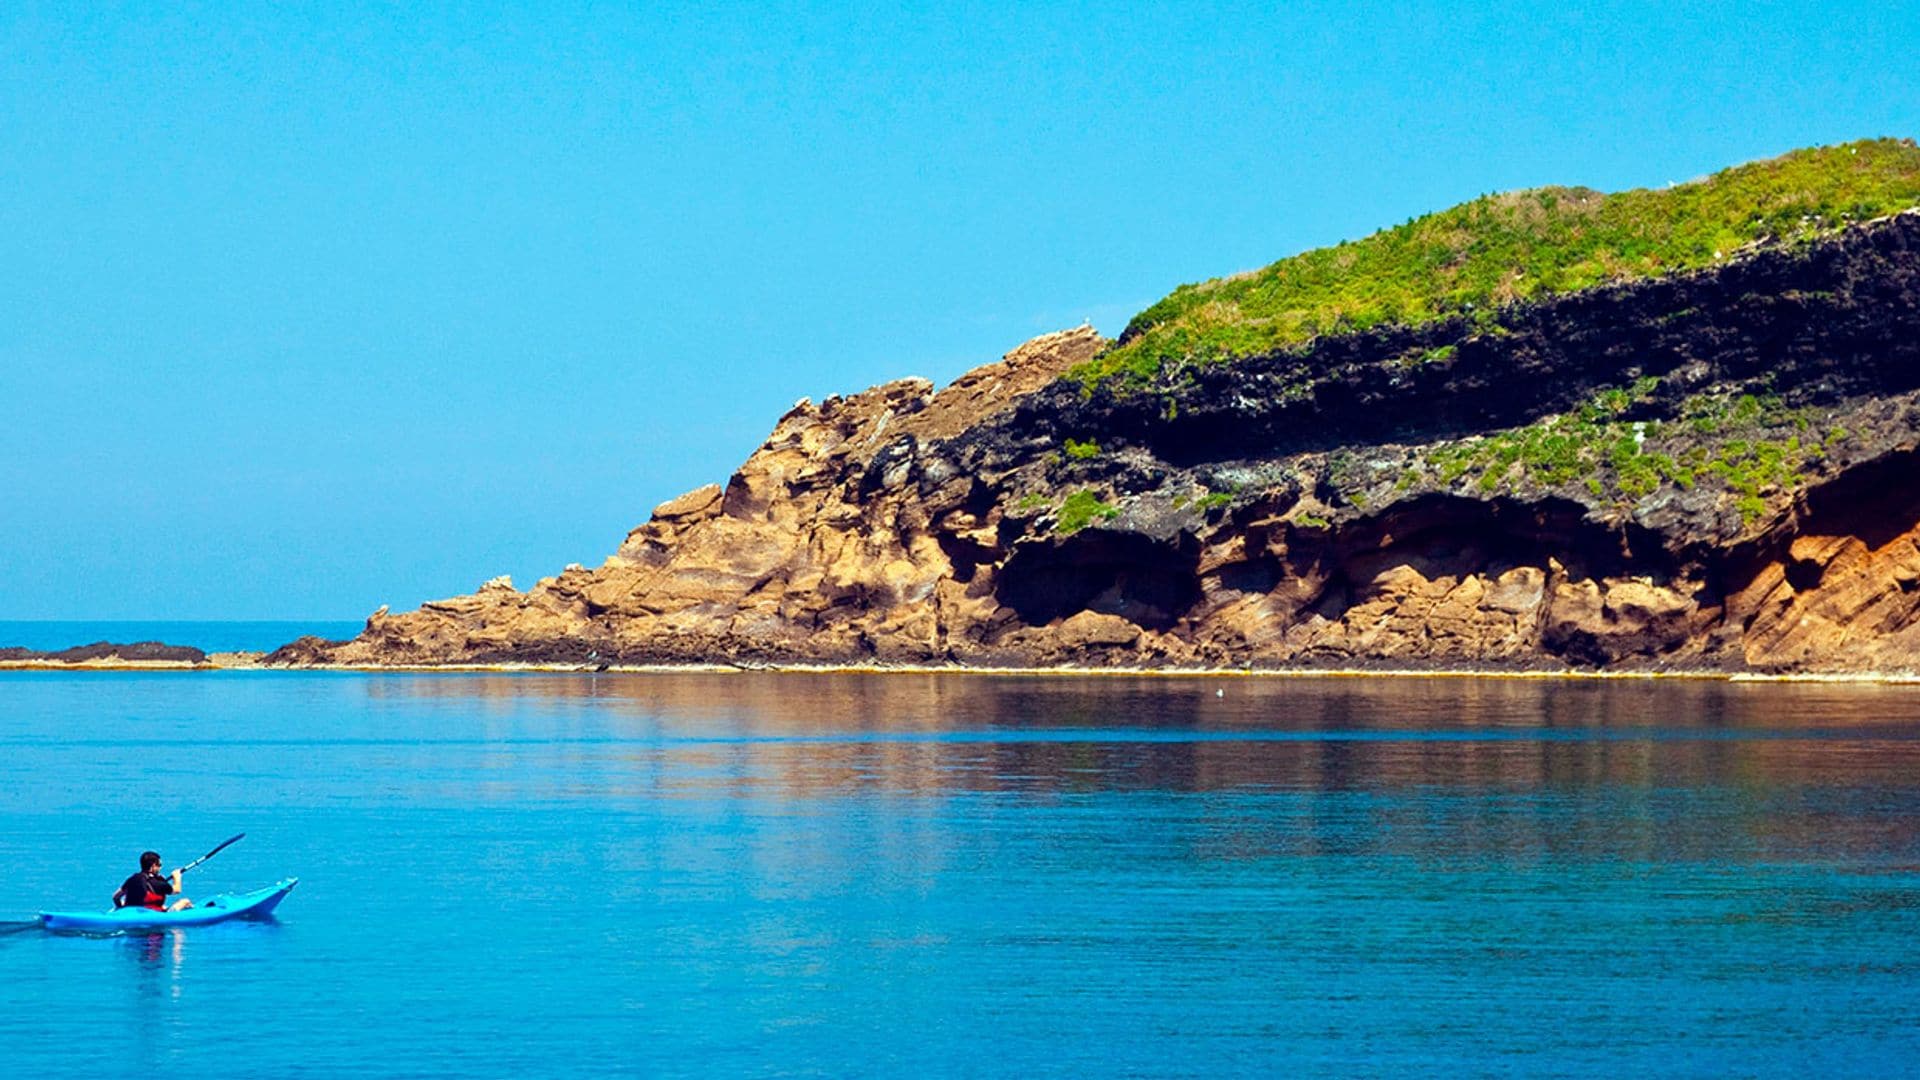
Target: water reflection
x: 158, y: 960
x: 914, y: 732
x: 1514, y: 768
x: 159, y: 952
x: 770, y: 704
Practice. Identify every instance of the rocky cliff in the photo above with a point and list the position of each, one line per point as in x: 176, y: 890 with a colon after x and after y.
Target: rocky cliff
x: 1716, y: 469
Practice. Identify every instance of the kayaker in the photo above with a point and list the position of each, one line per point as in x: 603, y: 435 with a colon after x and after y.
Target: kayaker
x: 149, y: 889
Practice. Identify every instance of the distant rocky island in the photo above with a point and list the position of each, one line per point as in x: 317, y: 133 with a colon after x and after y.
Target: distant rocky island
x: 106, y: 654
x: 1551, y: 430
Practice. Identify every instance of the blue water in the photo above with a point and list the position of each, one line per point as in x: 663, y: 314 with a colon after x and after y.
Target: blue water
x: 50, y: 635
x: 840, y: 875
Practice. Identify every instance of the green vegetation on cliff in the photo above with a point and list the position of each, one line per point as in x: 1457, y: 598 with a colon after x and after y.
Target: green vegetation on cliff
x: 1499, y: 249
x: 1081, y: 509
x: 1751, y: 446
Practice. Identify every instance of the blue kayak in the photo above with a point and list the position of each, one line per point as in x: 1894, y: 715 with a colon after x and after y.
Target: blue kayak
x: 257, y: 904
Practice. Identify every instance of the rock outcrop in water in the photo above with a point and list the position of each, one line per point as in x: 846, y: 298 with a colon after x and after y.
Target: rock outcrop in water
x: 1716, y: 470
x: 105, y: 653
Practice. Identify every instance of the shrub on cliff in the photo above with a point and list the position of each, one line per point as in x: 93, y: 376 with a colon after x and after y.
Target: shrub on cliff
x: 1499, y: 249
x: 1081, y: 509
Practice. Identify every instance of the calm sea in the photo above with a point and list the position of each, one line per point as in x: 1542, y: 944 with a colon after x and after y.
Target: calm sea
x: 49, y: 635
x: 833, y: 875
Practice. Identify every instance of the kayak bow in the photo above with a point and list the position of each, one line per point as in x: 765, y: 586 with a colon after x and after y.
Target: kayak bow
x: 257, y: 904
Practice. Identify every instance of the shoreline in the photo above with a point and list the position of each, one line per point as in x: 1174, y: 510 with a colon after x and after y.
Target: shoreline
x: 229, y: 662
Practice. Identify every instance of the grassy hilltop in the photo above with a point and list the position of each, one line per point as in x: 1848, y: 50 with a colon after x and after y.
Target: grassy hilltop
x: 1498, y: 249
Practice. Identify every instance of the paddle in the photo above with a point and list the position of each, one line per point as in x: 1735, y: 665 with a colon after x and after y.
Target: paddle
x: 235, y: 838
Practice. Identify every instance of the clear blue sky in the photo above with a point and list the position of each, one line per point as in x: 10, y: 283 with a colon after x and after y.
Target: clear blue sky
x: 306, y: 309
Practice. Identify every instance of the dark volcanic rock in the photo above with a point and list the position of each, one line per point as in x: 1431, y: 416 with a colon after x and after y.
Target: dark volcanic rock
x: 1835, y: 320
x: 310, y: 649
x: 143, y: 651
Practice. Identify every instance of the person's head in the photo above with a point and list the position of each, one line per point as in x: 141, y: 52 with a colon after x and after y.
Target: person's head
x: 149, y: 861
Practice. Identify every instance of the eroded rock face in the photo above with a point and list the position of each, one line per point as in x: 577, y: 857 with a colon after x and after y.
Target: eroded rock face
x: 834, y: 542
x: 1746, y: 497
